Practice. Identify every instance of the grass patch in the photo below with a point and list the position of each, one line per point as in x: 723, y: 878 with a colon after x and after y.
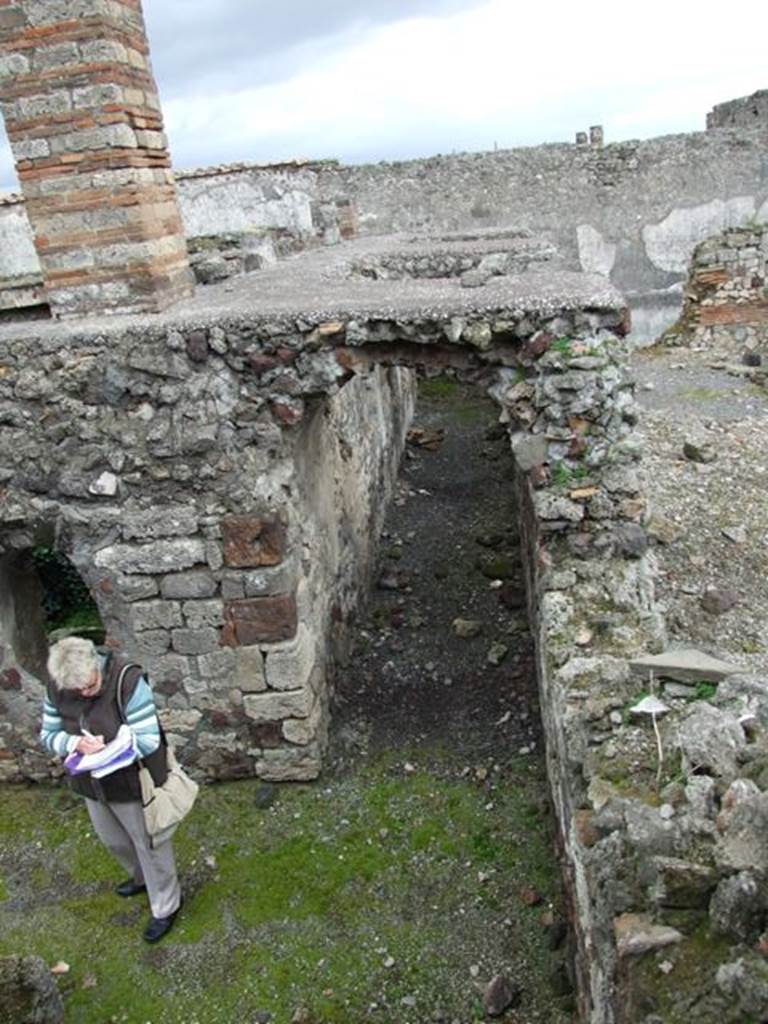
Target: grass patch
x: 466, y: 403
x: 701, y: 394
x: 436, y: 388
x: 379, y: 887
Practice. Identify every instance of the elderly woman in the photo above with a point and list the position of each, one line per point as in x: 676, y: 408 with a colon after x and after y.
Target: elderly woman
x: 82, y: 712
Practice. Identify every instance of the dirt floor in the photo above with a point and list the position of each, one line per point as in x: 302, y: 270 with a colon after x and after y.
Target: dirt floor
x: 417, y: 870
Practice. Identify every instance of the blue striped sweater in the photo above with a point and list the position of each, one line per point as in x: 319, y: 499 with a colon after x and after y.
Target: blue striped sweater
x: 140, y: 713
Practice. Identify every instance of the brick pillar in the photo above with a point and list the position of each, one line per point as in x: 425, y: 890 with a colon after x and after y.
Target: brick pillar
x: 83, y: 118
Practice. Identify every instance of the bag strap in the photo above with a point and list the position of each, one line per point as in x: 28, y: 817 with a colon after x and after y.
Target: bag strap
x: 119, y: 690
x: 121, y: 710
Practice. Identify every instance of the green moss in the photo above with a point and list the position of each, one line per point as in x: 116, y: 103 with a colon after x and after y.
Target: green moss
x: 562, y: 345
x: 439, y: 388
x: 694, y: 965
x: 465, y: 403
x: 300, y: 904
x: 700, y: 394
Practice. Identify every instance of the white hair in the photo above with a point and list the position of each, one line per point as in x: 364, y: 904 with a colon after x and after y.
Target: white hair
x: 71, y: 662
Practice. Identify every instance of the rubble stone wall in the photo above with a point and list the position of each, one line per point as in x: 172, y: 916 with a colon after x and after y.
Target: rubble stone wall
x: 633, y: 211
x: 727, y: 291
x: 745, y: 112
x: 169, y: 467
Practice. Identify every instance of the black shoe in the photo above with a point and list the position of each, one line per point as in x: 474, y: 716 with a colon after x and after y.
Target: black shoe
x: 130, y: 888
x: 160, y: 926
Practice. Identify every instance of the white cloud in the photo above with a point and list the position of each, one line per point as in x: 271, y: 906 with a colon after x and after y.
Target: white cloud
x: 491, y: 73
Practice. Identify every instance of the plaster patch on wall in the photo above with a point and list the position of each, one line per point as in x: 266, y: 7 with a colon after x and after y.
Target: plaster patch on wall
x: 237, y: 203
x: 670, y: 243
x: 595, y: 254
x: 17, y: 253
x: 762, y: 213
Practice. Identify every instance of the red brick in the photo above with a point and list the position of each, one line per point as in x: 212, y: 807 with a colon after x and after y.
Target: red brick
x: 258, y: 620
x: 251, y: 542
x: 732, y: 313
x: 10, y: 679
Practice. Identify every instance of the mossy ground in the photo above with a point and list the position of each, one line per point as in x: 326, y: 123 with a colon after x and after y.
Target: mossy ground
x: 300, y: 904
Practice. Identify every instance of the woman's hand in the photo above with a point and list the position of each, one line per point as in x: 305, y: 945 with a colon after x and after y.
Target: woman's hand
x: 90, y: 744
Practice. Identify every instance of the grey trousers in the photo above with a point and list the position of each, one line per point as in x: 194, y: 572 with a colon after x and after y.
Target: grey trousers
x: 122, y: 830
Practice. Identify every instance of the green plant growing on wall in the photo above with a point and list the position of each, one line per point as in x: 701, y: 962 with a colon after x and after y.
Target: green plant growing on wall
x: 562, y: 345
x: 562, y: 475
x: 704, y: 690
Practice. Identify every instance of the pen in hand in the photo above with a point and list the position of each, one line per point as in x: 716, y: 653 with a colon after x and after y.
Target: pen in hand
x: 89, y: 744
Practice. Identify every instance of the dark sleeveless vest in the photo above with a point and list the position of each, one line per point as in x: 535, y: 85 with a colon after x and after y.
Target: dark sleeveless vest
x: 100, y: 715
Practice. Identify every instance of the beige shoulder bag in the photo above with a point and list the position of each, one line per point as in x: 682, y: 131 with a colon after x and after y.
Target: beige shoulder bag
x: 164, y: 806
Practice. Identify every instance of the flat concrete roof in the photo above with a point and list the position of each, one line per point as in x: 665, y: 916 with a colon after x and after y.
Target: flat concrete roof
x: 314, y: 287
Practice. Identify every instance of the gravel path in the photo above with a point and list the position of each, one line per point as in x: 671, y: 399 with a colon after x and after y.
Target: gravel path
x: 709, y: 518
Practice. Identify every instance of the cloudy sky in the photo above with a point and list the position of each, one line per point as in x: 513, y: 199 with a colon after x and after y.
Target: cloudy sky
x: 369, y: 80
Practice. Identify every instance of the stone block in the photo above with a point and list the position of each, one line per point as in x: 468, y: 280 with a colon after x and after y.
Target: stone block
x: 203, y: 613
x: 104, y: 51
x: 218, y: 666
x: 146, y: 615
x: 303, y: 731
x: 197, y: 583
x: 117, y: 136
x: 168, y: 672
x: 217, y: 741
x: 180, y: 721
x: 233, y: 587
x: 685, y: 664
x: 11, y: 18
x: 249, y: 670
x: 259, y: 620
x: 97, y: 96
x: 636, y: 934
x: 250, y: 541
x: 163, y: 556
x: 135, y: 588
x: 297, y: 764
x: 272, y: 706
x: 47, y: 57
x: 152, y: 643
x: 289, y: 665
x: 31, y: 149
x: 682, y: 884
x: 274, y: 580
x: 45, y: 105
x: 195, y: 641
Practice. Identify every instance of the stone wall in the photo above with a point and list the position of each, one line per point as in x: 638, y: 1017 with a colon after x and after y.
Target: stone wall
x: 248, y: 197
x: 213, y: 519
x: 745, y: 112
x: 727, y: 291
x: 633, y: 211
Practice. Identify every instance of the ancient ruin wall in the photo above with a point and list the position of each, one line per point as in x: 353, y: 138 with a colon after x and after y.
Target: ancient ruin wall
x: 208, y: 508
x: 727, y: 291
x: 745, y: 112
x: 632, y: 210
